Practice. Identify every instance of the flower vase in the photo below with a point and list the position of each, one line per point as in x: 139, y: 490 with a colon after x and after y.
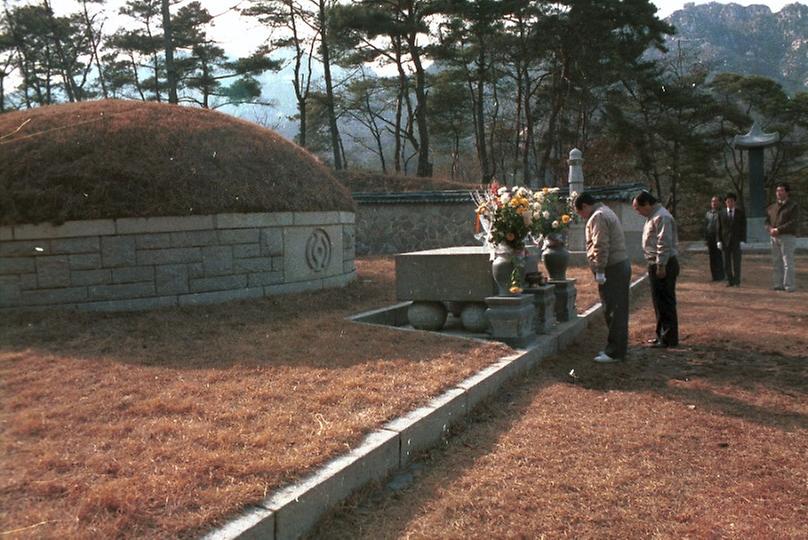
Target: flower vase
x: 502, y: 270
x: 555, y: 257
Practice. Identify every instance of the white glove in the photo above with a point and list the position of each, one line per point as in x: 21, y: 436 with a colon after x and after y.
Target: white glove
x: 719, y: 245
x: 600, y: 278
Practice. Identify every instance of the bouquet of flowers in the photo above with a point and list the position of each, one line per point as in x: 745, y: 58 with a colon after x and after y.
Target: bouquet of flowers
x: 508, y: 217
x: 555, y: 212
x: 505, y: 215
x: 511, y: 215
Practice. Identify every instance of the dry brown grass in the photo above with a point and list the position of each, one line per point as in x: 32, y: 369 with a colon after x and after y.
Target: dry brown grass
x: 163, y: 424
x: 111, y: 159
x: 708, y: 440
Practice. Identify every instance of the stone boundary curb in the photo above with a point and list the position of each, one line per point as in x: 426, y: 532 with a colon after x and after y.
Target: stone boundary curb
x: 293, y: 511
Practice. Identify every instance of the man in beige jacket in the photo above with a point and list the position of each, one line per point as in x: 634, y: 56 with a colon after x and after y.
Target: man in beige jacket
x: 606, y: 252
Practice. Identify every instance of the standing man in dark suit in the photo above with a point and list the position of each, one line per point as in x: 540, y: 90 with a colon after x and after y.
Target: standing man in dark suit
x: 711, y: 238
x: 731, y: 232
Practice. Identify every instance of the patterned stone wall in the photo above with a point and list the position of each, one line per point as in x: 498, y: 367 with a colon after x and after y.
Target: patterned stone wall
x: 144, y: 263
x: 401, y: 223
x: 385, y: 227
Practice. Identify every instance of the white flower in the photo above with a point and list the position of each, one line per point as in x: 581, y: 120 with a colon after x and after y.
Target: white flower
x: 546, y: 214
x: 555, y: 224
x: 505, y: 197
x: 502, y: 190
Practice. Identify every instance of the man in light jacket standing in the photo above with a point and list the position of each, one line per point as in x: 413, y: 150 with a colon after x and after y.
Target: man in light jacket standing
x: 606, y: 252
x: 659, y: 245
x: 782, y: 222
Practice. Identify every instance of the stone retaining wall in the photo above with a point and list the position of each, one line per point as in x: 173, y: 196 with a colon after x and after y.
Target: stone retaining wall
x: 388, y: 223
x: 404, y: 222
x: 144, y: 263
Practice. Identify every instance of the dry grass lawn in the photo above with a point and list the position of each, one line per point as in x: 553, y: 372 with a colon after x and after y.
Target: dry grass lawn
x: 163, y: 424
x: 707, y: 440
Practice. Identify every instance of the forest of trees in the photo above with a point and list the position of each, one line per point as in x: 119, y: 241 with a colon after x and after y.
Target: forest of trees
x: 473, y: 89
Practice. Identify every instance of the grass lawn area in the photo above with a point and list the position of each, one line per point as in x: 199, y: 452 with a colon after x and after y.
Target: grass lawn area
x: 706, y: 440
x: 164, y: 424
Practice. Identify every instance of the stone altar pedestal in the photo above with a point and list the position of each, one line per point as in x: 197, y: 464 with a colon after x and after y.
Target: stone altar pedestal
x: 565, y: 294
x: 511, y: 319
x: 544, y: 306
x: 459, y: 277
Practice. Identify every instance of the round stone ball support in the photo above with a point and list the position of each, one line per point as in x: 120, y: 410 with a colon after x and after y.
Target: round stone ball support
x: 433, y: 315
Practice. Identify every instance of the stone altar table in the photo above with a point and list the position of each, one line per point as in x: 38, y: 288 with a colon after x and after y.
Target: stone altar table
x: 434, y: 277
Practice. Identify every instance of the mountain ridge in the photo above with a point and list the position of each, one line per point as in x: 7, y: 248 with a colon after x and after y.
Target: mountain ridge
x: 750, y: 40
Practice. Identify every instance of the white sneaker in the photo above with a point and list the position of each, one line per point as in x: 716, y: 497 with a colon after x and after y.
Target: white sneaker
x: 603, y: 358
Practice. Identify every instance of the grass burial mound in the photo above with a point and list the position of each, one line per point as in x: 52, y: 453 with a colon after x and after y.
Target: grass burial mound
x: 112, y: 159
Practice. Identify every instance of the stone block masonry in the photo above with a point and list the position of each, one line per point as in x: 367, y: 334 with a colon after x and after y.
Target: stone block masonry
x: 145, y: 263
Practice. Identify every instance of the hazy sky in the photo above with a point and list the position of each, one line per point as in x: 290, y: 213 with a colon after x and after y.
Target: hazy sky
x: 240, y: 36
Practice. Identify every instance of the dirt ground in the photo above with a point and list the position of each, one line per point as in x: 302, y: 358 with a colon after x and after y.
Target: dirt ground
x: 163, y: 424
x: 706, y: 440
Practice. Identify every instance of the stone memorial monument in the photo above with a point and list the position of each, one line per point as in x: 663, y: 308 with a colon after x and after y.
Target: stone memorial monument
x: 754, y: 142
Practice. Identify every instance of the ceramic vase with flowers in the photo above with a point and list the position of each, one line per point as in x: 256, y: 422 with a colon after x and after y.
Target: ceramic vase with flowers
x: 510, y: 217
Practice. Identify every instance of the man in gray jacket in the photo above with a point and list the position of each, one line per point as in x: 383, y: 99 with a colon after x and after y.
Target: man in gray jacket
x: 606, y: 252
x: 659, y: 246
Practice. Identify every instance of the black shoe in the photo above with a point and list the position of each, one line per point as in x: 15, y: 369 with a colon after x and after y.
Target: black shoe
x: 778, y: 288
x: 730, y: 284
x: 658, y: 345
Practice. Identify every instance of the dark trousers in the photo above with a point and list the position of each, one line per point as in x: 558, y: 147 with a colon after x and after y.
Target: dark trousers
x: 614, y: 297
x: 716, y: 260
x: 732, y: 264
x: 663, y: 294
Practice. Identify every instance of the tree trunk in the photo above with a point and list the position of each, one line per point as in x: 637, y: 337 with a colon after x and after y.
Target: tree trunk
x: 95, y: 41
x: 421, y: 112
x: 329, y: 88
x: 168, y: 45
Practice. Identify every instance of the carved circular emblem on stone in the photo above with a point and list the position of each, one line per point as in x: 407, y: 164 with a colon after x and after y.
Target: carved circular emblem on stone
x: 318, y: 250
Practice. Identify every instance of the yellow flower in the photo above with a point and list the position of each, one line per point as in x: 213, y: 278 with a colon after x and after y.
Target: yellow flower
x: 565, y: 219
x: 515, y: 290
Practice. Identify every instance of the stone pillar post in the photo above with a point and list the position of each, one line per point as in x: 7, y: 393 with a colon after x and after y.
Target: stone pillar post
x: 755, y: 141
x: 576, y: 175
x: 575, y: 235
